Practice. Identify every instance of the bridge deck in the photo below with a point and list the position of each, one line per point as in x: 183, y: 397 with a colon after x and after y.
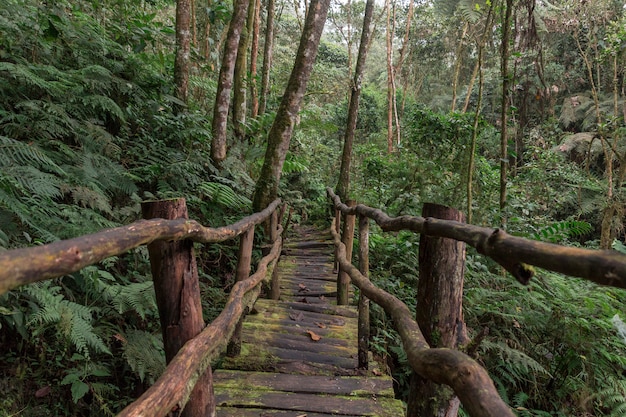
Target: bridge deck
x: 299, y: 354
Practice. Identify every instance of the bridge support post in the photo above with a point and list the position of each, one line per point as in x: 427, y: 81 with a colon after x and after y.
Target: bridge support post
x: 364, y: 302
x: 338, y: 216
x: 175, y: 276
x: 244, y: 258
x: 439, y: 310
x: 347, y: 237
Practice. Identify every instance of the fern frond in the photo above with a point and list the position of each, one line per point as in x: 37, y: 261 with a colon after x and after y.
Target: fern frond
x: 224, y: 195
x: 145, y: 354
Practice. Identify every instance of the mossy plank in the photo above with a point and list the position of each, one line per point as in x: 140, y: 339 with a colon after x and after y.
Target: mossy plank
x: 254, y: 412
x: 285, y: 326
x: 305, y: 403
x: 298, y: 341
x: 347, y: 311
x: 336, y: 385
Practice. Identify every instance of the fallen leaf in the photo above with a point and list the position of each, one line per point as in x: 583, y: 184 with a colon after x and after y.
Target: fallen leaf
x: 42, y: 392
x: 303, y: 288
x: 297, y: 316
x: 320, y: 325
x: 322, y: 297
x: 314, y: 336
x: 377, y: 372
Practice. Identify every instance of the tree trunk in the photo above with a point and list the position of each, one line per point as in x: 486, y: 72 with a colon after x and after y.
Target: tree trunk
x: 177, y: 289
x: 439, y: 311
x: 343, y: 186
x: 240, y: 105
x: 267, y: 55
x: 390, y: 85
x: 281, y: 131
x: 181, y: 62
x: 254, y: 52
x: 225, y: 81
x: 504, y: 72
x: 457, y: 65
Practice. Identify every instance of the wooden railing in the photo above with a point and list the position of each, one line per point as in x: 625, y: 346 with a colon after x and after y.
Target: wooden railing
x: 444, y: 365
x: 189, y: 345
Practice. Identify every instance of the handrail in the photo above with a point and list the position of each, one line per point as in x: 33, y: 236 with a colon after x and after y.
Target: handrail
x: 176, y: 383
x: 470, y: 382
x: 24, y: 266
x: 192, y: 361
x: 513, y: 253
x: 468, y: 379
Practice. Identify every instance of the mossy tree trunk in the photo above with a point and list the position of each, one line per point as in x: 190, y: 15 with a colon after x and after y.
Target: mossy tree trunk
x: 281, y: 131
x: 225, y: 81
x: 343, y: 186
x: 181, y: 62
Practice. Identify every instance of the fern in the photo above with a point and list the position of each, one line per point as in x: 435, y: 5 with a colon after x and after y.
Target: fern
x: 224, y: 195
x: 144, y: 353
x: 72, y: 321
x: 560, y: 231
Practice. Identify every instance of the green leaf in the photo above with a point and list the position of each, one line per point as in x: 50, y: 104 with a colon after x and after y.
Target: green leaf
x: 79, y: 389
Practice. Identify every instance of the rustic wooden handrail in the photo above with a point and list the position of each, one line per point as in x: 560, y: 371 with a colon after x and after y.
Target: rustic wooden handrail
x: 603, y: 267
x: 192, y: 361
x: 441, y: 365
x: 38, y: 263
x: 470, y: 382
x: 172, y: 389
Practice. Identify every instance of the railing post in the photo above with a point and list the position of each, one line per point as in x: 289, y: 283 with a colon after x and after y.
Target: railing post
x: 364, y: 302
x: 274, y: 226
x: 347, y: 238
x: 246, y: 241
x: 175, y: 276
x: 439, y: 310
x: 338, y: 230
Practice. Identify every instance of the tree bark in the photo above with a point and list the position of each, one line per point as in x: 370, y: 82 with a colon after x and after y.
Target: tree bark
x: 225, y: 82
x: 506, y: 82
x: 439, y: 310
x: 254, y: 52
x: 177, y: 289
x: 240, y: 104
x: 343, y: 186
x: 267, y: 55
x: 181, y: 62
x: 391, y: 90
x: 281, y: 131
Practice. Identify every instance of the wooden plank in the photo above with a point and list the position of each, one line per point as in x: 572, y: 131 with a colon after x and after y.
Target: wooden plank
x: 346, y: 311
x: 336, y: 385
x: 255, y: 412
x: 330, y: 404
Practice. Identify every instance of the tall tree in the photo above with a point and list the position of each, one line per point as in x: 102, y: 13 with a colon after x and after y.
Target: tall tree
x: 240, y: 88
x: 281, y: 131
x: 225, y: 81
x: 181, y: 63
x: 506, y: 82
x: 267, y: 55
x: 391, y: 86
x: 343, y: 186
x: 254, y: 52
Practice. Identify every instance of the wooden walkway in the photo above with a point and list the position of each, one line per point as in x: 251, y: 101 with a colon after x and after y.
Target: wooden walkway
x: 299, y: 354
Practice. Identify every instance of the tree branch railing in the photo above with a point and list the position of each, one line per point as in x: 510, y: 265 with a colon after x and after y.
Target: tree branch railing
x: 190, y: 359
x: 470, y: 381
x: 515, y: 254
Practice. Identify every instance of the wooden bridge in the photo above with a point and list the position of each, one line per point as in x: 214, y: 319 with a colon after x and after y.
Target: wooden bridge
x: 299, y: 354
x: 304, y: 352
